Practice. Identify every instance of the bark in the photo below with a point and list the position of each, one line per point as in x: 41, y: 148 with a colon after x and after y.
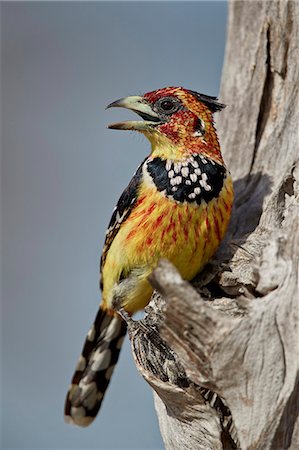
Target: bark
x: 222, y: 355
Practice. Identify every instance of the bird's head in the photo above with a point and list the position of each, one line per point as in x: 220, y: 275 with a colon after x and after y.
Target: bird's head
x: 176, y: 121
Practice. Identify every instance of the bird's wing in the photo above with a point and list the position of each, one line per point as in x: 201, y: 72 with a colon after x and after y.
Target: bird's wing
x: 121, y: 212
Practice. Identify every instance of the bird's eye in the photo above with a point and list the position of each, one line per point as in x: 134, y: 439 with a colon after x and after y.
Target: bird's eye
x: 167, y: 105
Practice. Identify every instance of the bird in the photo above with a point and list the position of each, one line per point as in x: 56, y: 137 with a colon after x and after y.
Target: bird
x: 177, y: 206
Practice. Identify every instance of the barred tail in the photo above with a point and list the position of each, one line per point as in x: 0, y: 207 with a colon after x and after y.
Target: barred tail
x: 94, y: 368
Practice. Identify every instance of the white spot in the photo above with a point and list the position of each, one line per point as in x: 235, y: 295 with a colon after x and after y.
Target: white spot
x: 193, y: 177
x: 177, y: 167
x: 117, y: 217
x: 192, y: 195
x: 194, y: 163
x: 197, y: 133
x: 101, y: 360
x: 89, y: 394
x: 197, y: 171
x: 112, y: 330
x: 188, y: 182
x: 78, y: 412
x: 81, y: 364
x: 174, y: 188
x: 185, y: 171
x: 168, y: 164
x: 214, y: 398
x: 91, y: 334
x: 170, y: 174
x: 204, y: 176
x: 69, y: 420
x: 73, y: 391
x: 204, y: 184
x: 81, y: 421
x: 197, y: 190
x: 204, y: 160
x: 178, y: 180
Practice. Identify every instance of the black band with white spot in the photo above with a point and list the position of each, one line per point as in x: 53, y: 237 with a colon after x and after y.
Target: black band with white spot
x: 194, y: 179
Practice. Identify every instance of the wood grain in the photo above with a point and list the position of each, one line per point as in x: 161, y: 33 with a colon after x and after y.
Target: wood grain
x: 222, y: 355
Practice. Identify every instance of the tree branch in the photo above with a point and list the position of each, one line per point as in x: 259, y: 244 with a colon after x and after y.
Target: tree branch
x: 222, y: 355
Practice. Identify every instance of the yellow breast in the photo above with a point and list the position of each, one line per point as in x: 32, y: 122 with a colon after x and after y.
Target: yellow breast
x: 185, y: 233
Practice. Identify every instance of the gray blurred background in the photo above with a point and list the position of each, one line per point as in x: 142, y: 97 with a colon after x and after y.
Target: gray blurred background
x: 62, y: 173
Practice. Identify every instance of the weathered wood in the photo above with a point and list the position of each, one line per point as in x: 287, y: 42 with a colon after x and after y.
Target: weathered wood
x: 222, y: 356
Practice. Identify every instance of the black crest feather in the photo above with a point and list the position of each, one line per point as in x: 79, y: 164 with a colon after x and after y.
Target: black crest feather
x: 209, y: 101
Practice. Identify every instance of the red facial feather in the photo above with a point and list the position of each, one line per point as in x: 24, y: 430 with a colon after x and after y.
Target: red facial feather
x: 182, y: 127
x: 153, y: 96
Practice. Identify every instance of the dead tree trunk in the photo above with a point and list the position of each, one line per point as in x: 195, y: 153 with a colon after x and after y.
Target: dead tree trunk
x: 222, y: 355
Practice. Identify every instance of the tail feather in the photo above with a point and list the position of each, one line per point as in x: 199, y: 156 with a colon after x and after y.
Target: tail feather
x: 94, y: 368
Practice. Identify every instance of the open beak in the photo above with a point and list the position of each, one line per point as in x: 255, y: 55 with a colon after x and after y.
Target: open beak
x: 138, y: 105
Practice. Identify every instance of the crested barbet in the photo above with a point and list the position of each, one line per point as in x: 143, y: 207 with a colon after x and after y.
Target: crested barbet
x: 177, y: 206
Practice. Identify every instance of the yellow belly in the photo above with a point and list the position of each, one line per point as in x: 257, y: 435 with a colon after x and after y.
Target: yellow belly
x: 186, y: 234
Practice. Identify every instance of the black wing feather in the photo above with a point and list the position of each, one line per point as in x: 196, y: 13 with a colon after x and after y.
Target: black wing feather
x: 121, y: 212
x: 209, y: 101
